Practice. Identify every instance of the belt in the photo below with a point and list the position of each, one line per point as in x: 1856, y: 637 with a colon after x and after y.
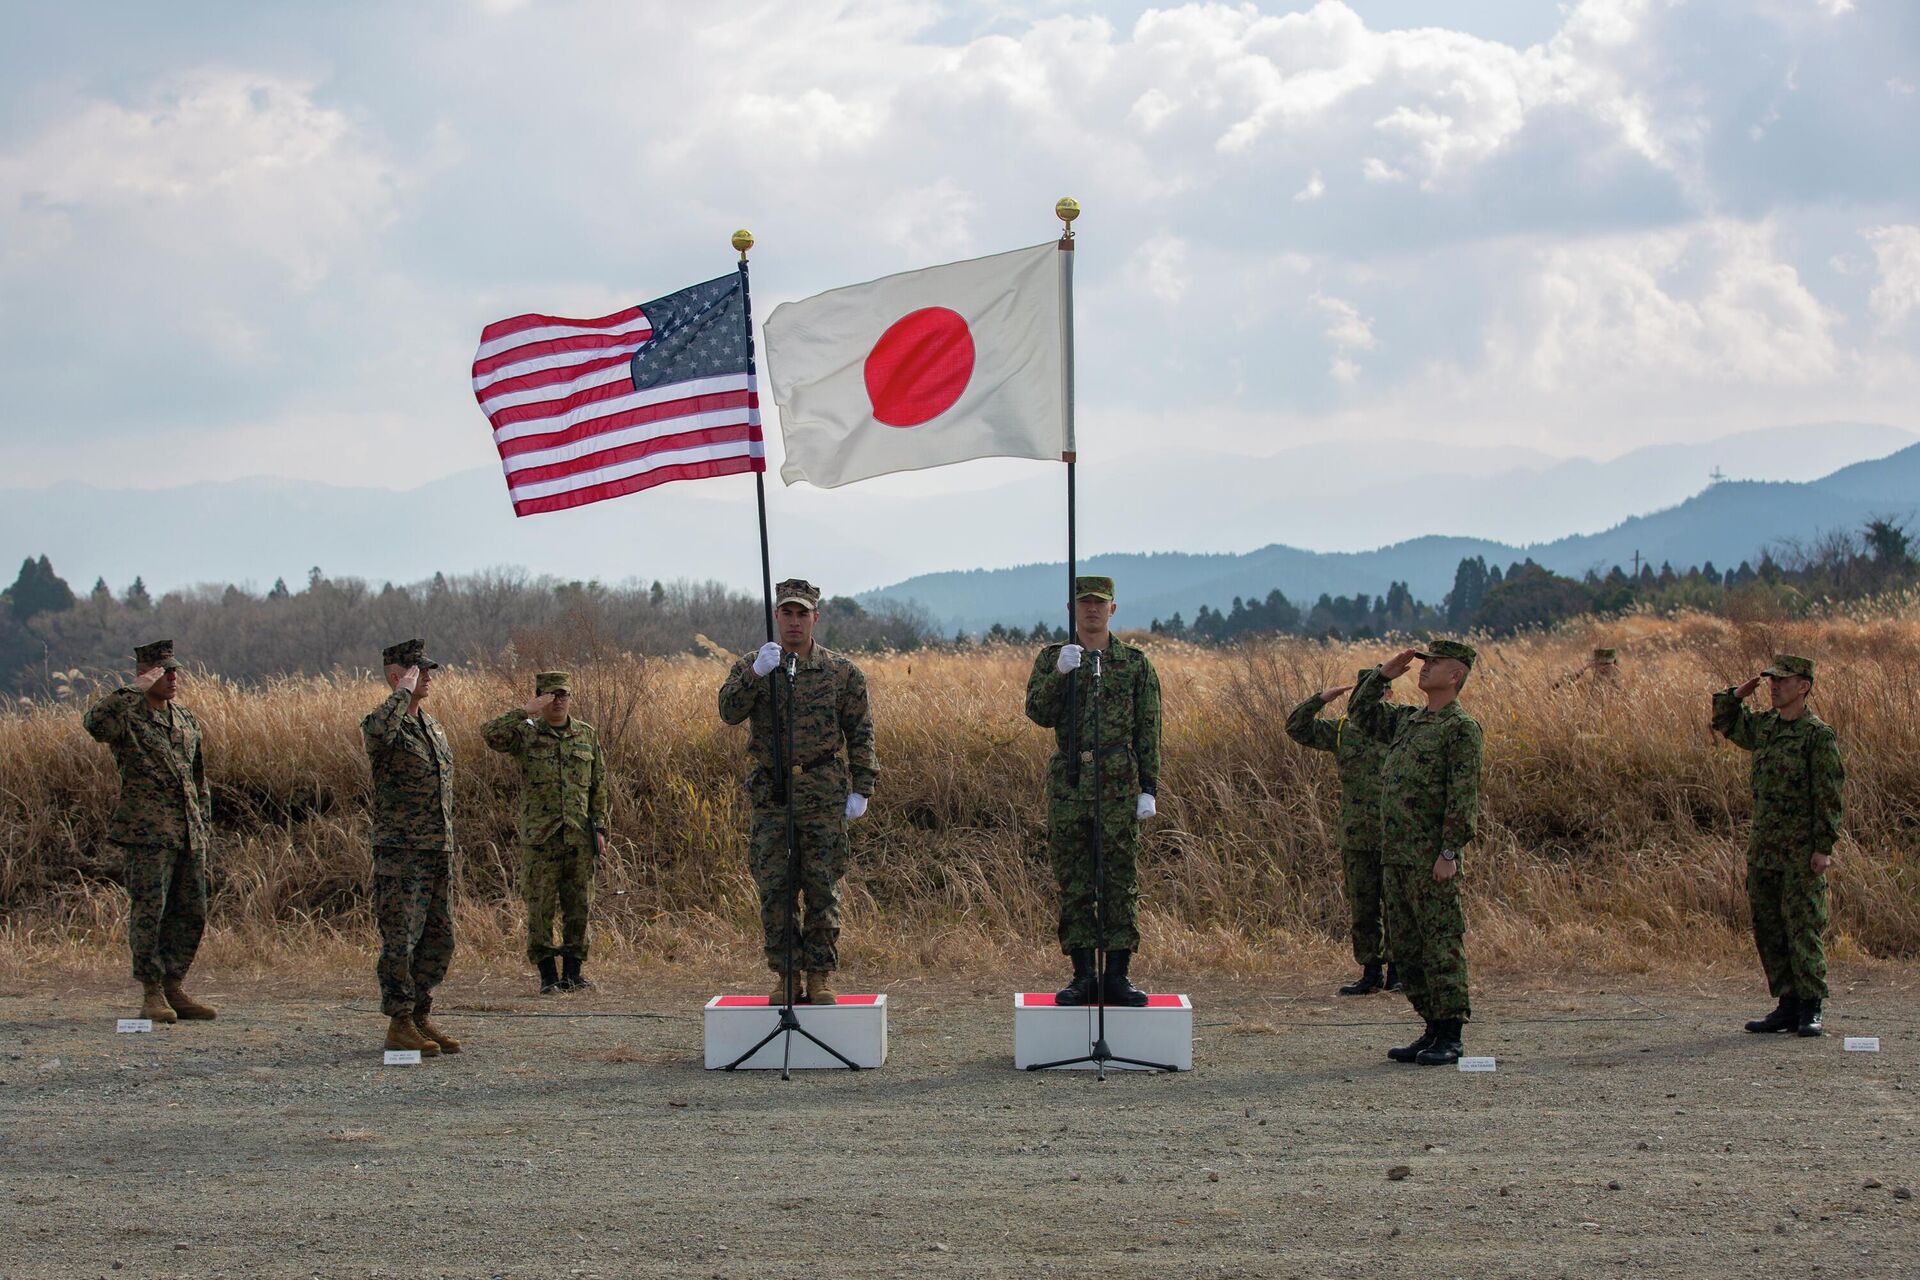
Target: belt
x: 798, y: 768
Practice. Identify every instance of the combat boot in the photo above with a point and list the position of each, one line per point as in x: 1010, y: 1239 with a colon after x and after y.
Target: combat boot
x: 1370, y: 981
x: 153, y: 1004
x: 1810, y: 1019
x: 1393, y: 977
x: 1445, y: 1049
x: 1118, y: 990
x: 570, y: 978
x: 820, y: 987
x: 402, y: 1034
x: 184, y: 1005
x: 424, y: 1025
x: 1785, y: 1017
x: 1080, y: 990
x: 778, y: 998
x: 1413, y: 1051
x: 549, y: 976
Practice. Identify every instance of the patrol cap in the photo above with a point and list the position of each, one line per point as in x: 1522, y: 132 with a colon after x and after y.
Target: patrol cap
x: 157, y: 654
x: 1100, y: 588
x: 797, y: 591
x: 1448, y: 649
x: 1785, y: 664
x: 552, y: 682
x: 408, y: 653
x: 1605, y: 655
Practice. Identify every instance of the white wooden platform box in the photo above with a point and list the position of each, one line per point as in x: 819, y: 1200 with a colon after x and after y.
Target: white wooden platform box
x: 856, y: 1026
x: 1162, y: 1032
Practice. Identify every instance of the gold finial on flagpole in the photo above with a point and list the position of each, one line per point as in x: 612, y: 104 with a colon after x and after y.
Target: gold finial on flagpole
x: 1066, y: 208
x: 743, y: 241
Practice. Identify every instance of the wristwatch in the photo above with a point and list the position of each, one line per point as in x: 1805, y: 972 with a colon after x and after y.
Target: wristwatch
x: 1451, y: 855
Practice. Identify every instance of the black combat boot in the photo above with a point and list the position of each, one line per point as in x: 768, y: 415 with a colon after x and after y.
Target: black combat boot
x: 1446, y: 1047
x: 1371, y: 980
x: 549, y: 976
x: 570, y: 976
x: 1393, y: 978
x: 1118, y: 990
x: 1080, y: 990
x: 1785, y: 1017
x: 1413, y: 1050
x: 1809, y: 1019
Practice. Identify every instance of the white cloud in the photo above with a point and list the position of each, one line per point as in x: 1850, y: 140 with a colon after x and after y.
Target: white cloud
x: 1159, y: 268
x: 1896, y: 294
x: 1315, y: 188
x: 1348, y: 331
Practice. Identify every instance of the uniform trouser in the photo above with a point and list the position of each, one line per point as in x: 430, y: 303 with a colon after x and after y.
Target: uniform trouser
x: 1789, y: 916
x: 821, y: 841
x: 1363, y: 884
x: 167, y: 913
x: 1427, y: 934
x: 557, y: 875
x: 411, y: 906
x: 1070, y: 825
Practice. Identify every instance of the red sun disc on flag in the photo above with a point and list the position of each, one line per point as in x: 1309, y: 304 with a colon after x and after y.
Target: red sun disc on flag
x: 919, y: 367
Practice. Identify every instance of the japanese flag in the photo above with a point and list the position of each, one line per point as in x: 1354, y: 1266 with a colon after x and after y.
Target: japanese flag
x: 967, y: 360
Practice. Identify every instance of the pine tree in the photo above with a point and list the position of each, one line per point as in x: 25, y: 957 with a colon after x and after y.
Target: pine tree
x: 137, y: 597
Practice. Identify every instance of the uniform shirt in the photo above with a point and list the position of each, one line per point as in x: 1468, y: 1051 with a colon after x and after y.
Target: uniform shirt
x: 164, y: 798
x: 563, y: 776
x: 1358, y: 758
x: 412, y: 776
x: 1797, y: 780
x: 829, y: 711
x: 1429, y: 774
x: 1128, y: 708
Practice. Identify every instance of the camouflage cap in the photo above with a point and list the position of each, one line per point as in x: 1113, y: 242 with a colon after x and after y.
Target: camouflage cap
x: 1605, y: 655
x: 157, y: 654
x: 552, y: 682
x: 1785, y: 664
x: 408, y: 653
x: 1100, y: 588
x: 797, y: 591
x: 1459, y: 652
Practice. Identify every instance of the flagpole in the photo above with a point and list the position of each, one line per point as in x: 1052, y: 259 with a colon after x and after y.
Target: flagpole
x: 1067, y: 209
x: 743, y: 241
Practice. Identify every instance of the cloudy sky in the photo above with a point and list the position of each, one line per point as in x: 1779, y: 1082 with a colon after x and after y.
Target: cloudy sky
x: 242, y: 239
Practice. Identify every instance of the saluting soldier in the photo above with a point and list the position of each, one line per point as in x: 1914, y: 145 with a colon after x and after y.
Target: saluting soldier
x: 820, y: 698
x: 563, y: 823
x: 1603, y: 668
x: 1357, y: 757
x: 1429, y: 811
x: 161, y: 825
x: 1797, y: 783
x: 412, y: 765
x: 1119, y: 730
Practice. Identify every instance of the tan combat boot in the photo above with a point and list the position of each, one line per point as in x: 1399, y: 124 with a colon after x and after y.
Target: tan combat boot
x: 185, y: 1005
x: 402, y: 1035
x: 153, y: 1004
x: 426, y: 1028
x: 820, y: 987
x: 778, y: 996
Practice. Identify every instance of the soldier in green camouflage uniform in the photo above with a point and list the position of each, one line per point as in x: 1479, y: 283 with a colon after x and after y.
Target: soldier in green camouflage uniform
x: 161, y: 826
x: 1797, y: 781
x: 563, y: 822
x: 822, y: 712
x: 1123, y: 725
x: 1358, y: 759
x: 412, y: 766
x: 1429, y: 808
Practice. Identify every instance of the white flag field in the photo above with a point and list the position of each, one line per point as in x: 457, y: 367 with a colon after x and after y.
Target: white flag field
x: 961, y: 361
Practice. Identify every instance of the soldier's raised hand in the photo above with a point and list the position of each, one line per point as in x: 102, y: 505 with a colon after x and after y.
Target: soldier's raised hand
x: 145, y: 680
x: 536, y: 708
x: 1746, y: 690
x: 767, y: 659
x: 1069, y: 658
x: 1328, y: 695
x: 1396, y: 666
x: 409, y: 679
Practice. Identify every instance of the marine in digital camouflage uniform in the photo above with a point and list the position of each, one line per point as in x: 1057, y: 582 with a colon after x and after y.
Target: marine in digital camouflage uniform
x: 825, y: 729
x: 1797, y: 782
x: 1429, y: 810
x: 161, y: 825
x: 1121, y: 725
x: 1357, y: 757
x: 412, y: 765
x: 563, y: 822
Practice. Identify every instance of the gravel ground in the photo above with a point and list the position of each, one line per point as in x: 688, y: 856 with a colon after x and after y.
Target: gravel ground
x: 1625, y: 1133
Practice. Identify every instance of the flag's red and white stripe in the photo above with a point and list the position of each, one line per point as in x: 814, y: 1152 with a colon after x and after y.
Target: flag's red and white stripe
x: 571, y: 428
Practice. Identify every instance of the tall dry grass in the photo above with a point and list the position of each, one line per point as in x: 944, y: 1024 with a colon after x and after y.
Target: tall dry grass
x: 1612, y: 828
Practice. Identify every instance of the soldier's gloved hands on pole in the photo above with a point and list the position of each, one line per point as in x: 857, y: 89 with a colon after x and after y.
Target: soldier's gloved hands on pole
x: 1069, y: 658
x: 409, y: 679
x: 767, y: 659
x: 536, y: 708
x: 856, y: 806
x: 1396, y: 666
x: 1328, y: 695
x: 1144, y: 806
x: 1746, y: 690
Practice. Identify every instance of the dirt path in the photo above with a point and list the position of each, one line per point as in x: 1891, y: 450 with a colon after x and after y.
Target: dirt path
x: 1639, y: 1135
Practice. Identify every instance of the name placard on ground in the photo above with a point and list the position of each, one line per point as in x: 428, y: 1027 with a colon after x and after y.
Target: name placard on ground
x: 856, y: 1025
x: 1861, y: 1044
x: 1043, y: 1031
x: 133, y: 1026
x: 402, y: 1058
x: 1476, y: 1064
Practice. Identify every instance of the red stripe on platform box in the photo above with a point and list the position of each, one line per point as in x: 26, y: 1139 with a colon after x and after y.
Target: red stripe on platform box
x: 517, y: 324
x: 761, y: 1002
x: 709, y: 403
x: 1045, y: 1000
x: 744, y: 432
x: 634, y: 484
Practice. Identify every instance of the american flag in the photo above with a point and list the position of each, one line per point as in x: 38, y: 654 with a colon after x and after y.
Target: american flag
x: 586, y: 410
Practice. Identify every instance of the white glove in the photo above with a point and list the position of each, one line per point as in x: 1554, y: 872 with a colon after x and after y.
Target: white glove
x: 1069, y: 658
x: 1144, y: 808
x: 767, y: 659
x: 856, y: 806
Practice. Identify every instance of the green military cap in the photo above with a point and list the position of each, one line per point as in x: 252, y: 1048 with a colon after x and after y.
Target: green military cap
x: 408, y: 653
x: 552, y: 682
x: 1785, y: 664
x: 1448, y: 649
x: 796, y: 591
x: 157, y: 654
x: 1100, y: 588
x: 1604, y: 655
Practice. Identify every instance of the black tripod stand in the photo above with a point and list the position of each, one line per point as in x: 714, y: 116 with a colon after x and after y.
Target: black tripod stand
x: 789, y: 1024
x: 1098, y: 1053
